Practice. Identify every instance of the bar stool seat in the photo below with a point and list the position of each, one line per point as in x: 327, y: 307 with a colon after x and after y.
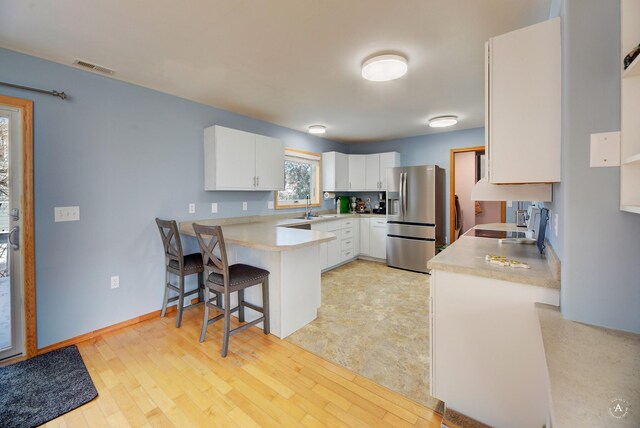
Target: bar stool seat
x: 192, y: 264
x: 240, y: 275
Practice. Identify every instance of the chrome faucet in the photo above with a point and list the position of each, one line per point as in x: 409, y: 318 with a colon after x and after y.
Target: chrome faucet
x: 307, y: 211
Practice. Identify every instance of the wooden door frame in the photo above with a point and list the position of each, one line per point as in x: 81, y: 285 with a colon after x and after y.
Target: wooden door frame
x: 452, y: 193
x: 28, y: 236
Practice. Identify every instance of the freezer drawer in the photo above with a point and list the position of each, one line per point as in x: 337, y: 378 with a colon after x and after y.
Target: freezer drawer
x: 410, y: 254
x: 411, y: 231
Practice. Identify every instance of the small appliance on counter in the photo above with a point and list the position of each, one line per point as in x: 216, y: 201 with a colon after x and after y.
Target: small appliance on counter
x: 342, y: 205
x: 521, y: 216
x: 381, y: 208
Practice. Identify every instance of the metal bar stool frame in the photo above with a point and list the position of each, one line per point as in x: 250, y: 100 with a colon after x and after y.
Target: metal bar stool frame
x: 186, y: 265
x: 219, y: 279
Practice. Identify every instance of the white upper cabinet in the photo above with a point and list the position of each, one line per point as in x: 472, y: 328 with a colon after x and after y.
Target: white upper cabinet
x: 357, y: 171
x: 335, y: 172
x: 523, y: 105
x: 372, y: 172
x: 239, y: 160
x: 387, y: 160
x: 630, y: 98
x: 341, y: 172
x: 376, y: 169
x: 269, y: 163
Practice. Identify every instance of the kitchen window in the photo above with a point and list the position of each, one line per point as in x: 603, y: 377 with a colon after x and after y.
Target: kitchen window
x: 302, y: 172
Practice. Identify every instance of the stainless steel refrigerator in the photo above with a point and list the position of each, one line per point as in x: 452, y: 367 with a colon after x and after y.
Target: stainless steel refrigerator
x: 415, y: 215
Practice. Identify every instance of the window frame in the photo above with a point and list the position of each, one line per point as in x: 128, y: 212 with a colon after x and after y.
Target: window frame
x: 316, y: 197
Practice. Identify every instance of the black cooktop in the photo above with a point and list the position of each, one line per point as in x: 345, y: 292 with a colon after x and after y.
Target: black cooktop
x: 496, y: 234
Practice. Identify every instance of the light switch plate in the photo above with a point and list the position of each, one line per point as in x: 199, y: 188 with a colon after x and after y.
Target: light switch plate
x: 192, y: 208
x: 509, y: 204
x: 270, y: 205
x: 605, y: 149
x: 66, y: 214
x: 244, y: 206
x: 214, y: 207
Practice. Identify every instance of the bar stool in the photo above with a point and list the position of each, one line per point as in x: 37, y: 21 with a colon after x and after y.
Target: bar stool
x: 224, y: 279
x: 179, y: 265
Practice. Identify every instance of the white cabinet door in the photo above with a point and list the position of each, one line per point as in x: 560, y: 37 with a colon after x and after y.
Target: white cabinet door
x: 234, y: 166
x: 335, y: 172
x: 524, y: 105
x: 387, y: 160
x: 322, y: 227
x: 342, y: 171
x: 356, y: 237
x: 269, y: 164
x: 372, y: 172
x: 357, y: 165
x: 378, y: 239
x: 364, y: 236
x: 334, y: 251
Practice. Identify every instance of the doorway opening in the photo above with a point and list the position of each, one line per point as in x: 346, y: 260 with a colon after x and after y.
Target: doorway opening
x: 467, y: 168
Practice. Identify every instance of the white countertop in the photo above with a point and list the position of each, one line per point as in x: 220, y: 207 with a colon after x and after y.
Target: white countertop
x: 467, y: 255
x: 589, y: 367
x: 270, y: 232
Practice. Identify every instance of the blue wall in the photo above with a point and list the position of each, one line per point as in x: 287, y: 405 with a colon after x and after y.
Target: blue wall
x: 599, y: 243
x: 124, y: 154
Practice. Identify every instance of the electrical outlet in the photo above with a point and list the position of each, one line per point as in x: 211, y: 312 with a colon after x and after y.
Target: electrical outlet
x: 115, y: 281
x: 555, y: 224
x: 509, y: 204
x: 66, y: 214
x: 192, y: 208
x: 244, y: 206
x: 214, y: 207
x: 270, y: 205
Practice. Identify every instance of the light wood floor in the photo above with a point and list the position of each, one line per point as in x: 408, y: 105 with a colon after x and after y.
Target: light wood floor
x: 152, y: 374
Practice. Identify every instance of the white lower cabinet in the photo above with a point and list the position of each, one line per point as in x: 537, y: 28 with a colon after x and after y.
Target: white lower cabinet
x: 378, y: 238
x: 354, y: 237
x: 324, y: 263
x: 364, y: 236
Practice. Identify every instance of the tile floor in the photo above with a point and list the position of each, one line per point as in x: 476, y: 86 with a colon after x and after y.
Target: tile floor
x: 374, y: 320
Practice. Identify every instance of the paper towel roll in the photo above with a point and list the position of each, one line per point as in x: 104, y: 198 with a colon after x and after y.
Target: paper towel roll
x: 328, y: 195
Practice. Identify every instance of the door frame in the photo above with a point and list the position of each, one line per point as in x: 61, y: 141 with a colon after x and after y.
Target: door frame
x: 452, y: 190
x: 28, y: 236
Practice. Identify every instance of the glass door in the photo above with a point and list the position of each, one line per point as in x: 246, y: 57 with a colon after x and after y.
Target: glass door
x: 11, y: 295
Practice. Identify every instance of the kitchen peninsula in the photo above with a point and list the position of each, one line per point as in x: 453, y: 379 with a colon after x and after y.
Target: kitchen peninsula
x: 487, y: 356
x: 290, y: 255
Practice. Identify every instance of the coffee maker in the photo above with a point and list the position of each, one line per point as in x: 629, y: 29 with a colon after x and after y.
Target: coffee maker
x: 382, y: 204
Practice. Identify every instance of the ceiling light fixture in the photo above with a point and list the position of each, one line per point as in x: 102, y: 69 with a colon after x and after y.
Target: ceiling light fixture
x: 382, y: 68
x: 443, y: 121
x: 317, y: 129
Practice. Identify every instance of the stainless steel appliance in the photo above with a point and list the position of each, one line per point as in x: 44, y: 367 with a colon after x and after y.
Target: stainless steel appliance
x: 415, y: 215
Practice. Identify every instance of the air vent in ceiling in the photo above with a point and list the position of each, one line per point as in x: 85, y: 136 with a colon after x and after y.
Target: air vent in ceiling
x: 93, y: 67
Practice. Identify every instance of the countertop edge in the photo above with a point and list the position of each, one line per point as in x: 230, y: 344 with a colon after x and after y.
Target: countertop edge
x: 503, y: 276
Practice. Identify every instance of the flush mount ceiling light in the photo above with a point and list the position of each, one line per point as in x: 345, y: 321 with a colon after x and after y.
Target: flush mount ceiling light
x: 443, y: 121
x: 382, y: 68
x: 317, y: 129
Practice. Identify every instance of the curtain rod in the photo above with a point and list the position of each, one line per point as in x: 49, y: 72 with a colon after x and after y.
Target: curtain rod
x: 62, y: 95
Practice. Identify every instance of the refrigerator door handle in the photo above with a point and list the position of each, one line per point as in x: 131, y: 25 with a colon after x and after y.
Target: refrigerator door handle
x: 400, y: 195
x: 404, y: 194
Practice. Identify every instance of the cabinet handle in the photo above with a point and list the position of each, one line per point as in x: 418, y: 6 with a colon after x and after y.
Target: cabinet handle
x: 258, y: 181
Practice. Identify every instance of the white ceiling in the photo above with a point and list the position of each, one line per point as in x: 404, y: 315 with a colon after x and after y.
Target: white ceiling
x: 290, y: 62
